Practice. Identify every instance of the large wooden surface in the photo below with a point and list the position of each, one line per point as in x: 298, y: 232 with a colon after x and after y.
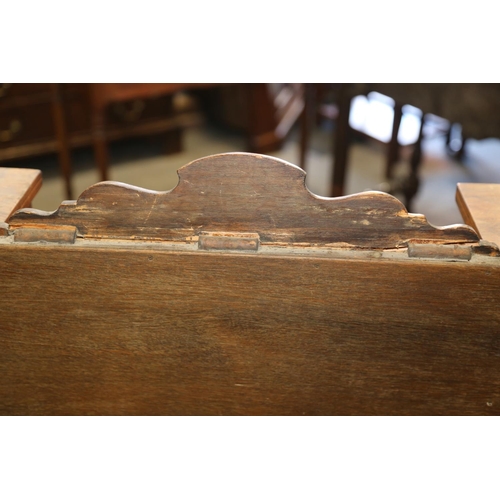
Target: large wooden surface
x: 479, y: 205
x: 18, y: 187
x: 241, y: 293
x: 147, y: 331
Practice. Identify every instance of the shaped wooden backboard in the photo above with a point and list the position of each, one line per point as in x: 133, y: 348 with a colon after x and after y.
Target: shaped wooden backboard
x: 243, y: 193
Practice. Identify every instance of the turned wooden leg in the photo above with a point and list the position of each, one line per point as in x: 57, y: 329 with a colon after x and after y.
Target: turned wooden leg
x: 393, y: 147
x: 308, y: 121
x: 63, y: 147
x: 411, y: 186
x: 448, y: 136
x: 456, y: 154
x: 341, y: 143
x: 172, y: 143
x: 99, y: 143
x: 461, y: 151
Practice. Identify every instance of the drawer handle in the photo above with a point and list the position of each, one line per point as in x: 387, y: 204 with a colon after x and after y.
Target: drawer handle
x: 14, y: 128
x: 132, y: 114
x: 4, y: 87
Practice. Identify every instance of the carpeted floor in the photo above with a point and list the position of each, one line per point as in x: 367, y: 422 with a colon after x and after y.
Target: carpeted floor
x: 142, y: 163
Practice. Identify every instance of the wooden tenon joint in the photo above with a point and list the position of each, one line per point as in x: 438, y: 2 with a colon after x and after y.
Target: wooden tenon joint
x: 247, y: 242
x: 55, y: 234
x: 237, y: 201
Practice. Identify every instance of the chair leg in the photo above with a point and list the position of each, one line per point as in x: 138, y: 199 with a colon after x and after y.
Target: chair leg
x: 341, y: 143
x: 461, y: 151
x: 413, y: 182
x: 393, y: 147
x: 99, y: 144
x: 308, y: 121
x: 62, y: 138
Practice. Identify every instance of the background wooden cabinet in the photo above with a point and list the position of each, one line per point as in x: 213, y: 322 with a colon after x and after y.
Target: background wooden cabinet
x: 27, y: 123
x: 263, y: 112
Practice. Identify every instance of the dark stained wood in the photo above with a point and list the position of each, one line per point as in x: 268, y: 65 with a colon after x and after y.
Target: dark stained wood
x: 139, y: 331
x: 307, y: 121
x: 340, y: 142
x: 412, y: 183
x: 243, y: 193
x: 61, y: 129
x: 479, y: 205
x: 393, y: 146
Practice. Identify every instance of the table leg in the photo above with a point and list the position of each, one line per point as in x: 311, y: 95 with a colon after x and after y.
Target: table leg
x: 341, y: 143
x: 63, y: 147
x: 412, y: 184
x: 393, y: 147
x: 308, y: 121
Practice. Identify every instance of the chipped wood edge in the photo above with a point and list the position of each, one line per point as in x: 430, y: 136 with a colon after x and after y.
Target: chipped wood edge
x: 360, y: 215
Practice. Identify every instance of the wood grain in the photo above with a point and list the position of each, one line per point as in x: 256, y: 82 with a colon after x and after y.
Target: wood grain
x: 479, y: 205
x: 247, y: 193
x: 135, y: 331
x: 249, y: 322
x: 18, y: 188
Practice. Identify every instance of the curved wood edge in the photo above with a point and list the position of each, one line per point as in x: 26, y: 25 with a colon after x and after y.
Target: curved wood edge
x: 243, y: 192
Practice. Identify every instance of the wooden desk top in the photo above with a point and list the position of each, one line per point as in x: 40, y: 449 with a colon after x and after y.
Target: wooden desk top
x: 18, y: 187
x: 479, y: 205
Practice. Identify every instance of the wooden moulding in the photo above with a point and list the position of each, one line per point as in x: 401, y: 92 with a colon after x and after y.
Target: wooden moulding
x: 242, y: 193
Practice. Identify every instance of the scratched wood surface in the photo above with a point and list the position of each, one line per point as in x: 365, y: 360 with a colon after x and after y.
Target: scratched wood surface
x: 112, y: 331
x: 242, y: 193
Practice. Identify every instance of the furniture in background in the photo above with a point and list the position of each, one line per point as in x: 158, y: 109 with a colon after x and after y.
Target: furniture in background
x: 37, y: 119
x: 264, y: 112
x: 475, y: 107
x: 322, y: 101
x: 241, y: 293
x: 107, y: 95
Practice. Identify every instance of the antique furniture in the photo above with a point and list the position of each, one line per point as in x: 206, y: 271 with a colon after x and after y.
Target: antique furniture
x: 315, y: 106
x: 264, y: 112
x: 105, y: 95
x: 241, y: 293
x: 476, y: 107
x: 37, y: 119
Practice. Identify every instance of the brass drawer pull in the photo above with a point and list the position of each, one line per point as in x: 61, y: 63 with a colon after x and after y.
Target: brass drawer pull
x: 4, y: 87
x: 132, y: 114
x: 14, y: 128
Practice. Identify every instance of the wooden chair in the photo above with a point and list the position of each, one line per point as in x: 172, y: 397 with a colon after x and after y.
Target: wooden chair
x: 266, y: 118
x: 343, y: 133
x: 103, y: 95
x: 241, y: 293
x: 472, y: 105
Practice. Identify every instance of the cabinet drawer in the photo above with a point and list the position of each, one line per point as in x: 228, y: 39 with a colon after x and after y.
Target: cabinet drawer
x: 140, y: 110
x: 26, y: 124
